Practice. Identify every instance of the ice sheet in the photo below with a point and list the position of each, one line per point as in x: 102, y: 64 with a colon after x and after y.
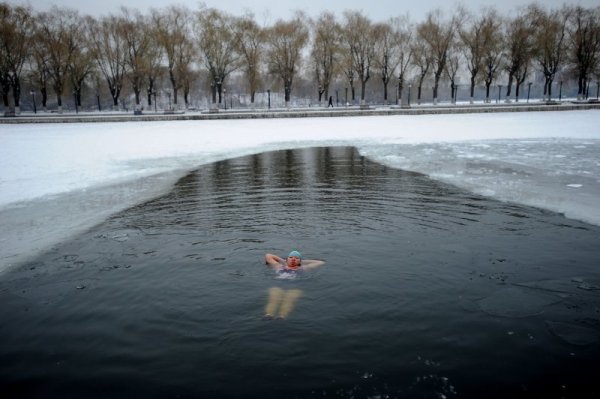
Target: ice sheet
x: 545, y: 159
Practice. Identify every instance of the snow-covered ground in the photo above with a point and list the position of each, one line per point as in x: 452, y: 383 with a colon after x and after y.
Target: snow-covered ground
x: 57, y: 180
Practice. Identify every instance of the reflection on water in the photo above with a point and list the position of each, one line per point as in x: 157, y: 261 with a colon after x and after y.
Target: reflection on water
x: 422, y: 286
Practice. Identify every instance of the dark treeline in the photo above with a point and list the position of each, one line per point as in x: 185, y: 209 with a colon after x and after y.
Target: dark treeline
x: 177, y: 52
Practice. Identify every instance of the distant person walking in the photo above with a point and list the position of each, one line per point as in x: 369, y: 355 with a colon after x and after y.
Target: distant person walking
x: 330, y: 102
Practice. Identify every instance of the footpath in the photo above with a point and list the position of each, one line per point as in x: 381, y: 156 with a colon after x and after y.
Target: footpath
x: 313, y: 112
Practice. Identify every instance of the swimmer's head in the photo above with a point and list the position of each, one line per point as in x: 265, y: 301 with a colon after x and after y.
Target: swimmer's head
x: 294, y: 259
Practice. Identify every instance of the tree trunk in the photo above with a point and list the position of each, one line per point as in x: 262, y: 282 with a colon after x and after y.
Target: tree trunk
x: 509, y: 86
x: 400, y: 92
x: 17, y: 92
x: 44, y: 92
x: 580, y: 87
x: 137, y: 92
x: 436, y: 85
x: 385, y: 91
x: 472, y: 93
x: 150, y: 90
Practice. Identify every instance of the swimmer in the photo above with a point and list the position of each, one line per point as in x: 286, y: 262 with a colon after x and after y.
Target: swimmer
x: 282, y: 301
x: 294, y: 262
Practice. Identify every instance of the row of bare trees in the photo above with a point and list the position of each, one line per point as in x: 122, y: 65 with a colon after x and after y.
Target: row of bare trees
x: 133, y: 51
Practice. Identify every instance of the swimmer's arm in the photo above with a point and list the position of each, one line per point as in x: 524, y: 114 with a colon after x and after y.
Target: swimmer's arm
x: 274, y: 260
x: 312, y: 263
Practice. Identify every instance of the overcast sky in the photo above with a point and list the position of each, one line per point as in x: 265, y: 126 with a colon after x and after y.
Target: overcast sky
x: 267, y: 11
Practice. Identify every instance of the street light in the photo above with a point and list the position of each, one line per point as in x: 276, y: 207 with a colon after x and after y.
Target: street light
x: 225, y: 98
x: 98, y: 100
x: 337, y: 98
x: 169, y: 94
x: 409, y: 87
x: 528, y: 90
x: 269, y: 97
x: 33, y: 99
x: 346, y: 96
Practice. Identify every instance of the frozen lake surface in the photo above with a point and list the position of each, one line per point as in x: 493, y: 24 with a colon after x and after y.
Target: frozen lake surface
x: 58, y: 180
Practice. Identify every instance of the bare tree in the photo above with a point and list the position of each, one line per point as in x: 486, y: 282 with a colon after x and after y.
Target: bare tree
x: 39, y: 74
x: 387, y: 54
x: 550, y: 28
x: 437, y: 35
x: 16, y: 29
x: 403, y: 42
x: 360, y: 44
x: 81, y: 62
x: 109, y: 48
x: 472, y: 45
x: 493, y: 48
x: 172, y: 27
x: 286, y: 40
x: 452, y: 68
x: 250, y: 41
x: 584, y: 49
x: 519, y: 51
x: 423, y: 61
x: 57, y: 32
x: 152, y: 65
x: 325, y: 52
x: 139, y: 49
x: 217, y: 43
x: 347, y: 67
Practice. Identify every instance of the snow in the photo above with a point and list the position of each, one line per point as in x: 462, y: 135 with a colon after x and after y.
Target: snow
x: 57, y: 180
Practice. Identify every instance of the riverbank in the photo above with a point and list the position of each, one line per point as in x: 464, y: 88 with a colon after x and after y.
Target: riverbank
x: 311, y: 112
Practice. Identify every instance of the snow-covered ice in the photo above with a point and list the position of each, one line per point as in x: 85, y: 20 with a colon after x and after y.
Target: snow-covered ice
x: 58, y: 179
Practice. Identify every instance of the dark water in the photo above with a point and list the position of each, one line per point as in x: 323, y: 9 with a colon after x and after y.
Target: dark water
x: 428, y: 292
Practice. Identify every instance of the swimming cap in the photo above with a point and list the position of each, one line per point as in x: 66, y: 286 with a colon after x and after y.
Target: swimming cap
x: 296, y: 254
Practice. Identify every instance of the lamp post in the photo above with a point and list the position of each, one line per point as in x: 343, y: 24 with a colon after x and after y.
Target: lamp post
x: 346, y: 96
x: 528, y: 90
x: 169, y: 95
x: 409, y: 87
x: 33, y: 99
x: 225, y: 98
x: 98, y: 100
x: 597, y: 89
x: 337, y: 98
x: 269, y: 98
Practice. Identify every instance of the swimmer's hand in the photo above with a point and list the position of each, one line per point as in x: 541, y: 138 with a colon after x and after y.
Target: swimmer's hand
x: 312, y: 263
x: 274, y: 260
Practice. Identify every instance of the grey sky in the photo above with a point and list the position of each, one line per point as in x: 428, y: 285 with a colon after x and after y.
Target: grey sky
x: 267, y: 11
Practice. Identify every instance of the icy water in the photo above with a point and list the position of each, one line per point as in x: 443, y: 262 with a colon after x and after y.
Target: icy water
x: 428, y: 291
